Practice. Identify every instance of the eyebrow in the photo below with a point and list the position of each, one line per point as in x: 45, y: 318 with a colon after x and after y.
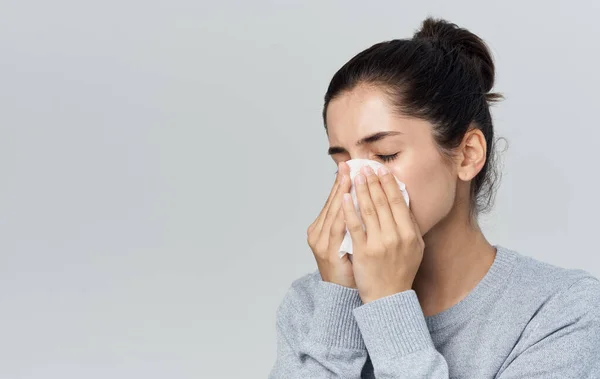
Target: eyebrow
x: 366, y: 140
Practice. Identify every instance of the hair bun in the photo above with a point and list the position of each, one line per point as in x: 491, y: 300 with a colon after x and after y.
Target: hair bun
x: 454, y: 39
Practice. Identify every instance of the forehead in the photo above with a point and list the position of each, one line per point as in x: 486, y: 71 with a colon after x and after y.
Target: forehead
x: 361, y: 111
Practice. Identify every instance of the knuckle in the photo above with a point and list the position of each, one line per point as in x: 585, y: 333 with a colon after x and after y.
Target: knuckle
x: 321, y: 246
x: 368, y: 211
x: 390, y: 240
x: 418, y: 245
x: 355, y: 228
x: 386, y: 179
x: 411, y: 236
x: 381, y: 248
x: 312, y: 230
x: 379, y: 201
x: 372, y: 252
x: 395, y: 199
x: 417, y: 241
x: 372, y: 179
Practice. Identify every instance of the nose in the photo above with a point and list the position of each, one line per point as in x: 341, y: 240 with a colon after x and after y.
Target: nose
x: 358, y: 155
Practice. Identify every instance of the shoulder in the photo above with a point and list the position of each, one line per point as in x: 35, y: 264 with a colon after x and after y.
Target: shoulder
x: 576, y: 298
x: 553, y: 314
x: 547, y: 279
x: 555, y: 295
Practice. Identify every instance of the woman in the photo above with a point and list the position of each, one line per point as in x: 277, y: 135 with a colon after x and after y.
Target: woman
x: 425, y: 294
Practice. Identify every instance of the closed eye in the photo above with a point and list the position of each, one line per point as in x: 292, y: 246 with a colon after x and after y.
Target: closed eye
x: 385, y: 158
x: 388, y: 158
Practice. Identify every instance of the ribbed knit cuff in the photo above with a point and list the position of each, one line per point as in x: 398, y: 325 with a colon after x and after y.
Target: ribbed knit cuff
x: 333, y: 323
x: 393, y: 326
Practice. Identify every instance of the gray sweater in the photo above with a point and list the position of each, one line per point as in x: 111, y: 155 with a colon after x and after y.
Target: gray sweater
x: 524, y: 319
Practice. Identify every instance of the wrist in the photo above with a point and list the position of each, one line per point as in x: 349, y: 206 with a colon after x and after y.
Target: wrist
x: 333, y: 322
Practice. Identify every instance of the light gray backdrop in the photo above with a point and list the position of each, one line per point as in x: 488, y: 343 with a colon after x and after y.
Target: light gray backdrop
x: 161, y: 161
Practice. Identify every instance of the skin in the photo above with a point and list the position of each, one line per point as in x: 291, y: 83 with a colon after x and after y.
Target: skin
x: 433, y: 247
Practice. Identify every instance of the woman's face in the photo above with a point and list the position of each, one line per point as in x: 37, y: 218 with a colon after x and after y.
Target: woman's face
x: 409, y: 151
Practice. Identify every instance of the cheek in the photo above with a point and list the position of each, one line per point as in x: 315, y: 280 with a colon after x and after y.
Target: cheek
x: 431, y: 189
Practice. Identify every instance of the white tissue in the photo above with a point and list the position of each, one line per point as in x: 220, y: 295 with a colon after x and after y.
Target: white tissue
x: 355, y: 165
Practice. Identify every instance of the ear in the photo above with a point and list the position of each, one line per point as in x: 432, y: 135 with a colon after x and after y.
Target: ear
x: 471, y: 155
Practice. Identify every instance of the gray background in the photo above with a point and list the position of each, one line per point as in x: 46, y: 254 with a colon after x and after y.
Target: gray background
x: 161, y: 162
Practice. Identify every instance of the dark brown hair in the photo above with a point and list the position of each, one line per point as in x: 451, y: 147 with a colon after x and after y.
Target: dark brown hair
x: 443, y: 74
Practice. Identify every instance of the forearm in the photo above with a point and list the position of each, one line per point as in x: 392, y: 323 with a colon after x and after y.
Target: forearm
x: 396, y: 336
x: 333, y: 346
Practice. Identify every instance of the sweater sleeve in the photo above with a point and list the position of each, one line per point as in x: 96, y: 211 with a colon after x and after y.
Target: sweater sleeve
x: 324, y: 342
x: 397, y: 338
x: 564, y: 338
x: 562, y: 342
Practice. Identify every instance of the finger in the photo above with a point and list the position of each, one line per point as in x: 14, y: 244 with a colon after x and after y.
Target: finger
x: 366, y: 206
x: 318, y: 223
x: 332, y: 193
x: 353, y: 223
x: 400, y: 210
x: 336, y: 204
x: 380, y: 201
x: 416, y: 226
x: 337, y: 230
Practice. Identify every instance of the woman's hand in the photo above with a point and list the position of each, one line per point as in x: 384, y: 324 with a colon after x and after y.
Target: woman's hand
x: 389, y: 251
x: 326, y: 233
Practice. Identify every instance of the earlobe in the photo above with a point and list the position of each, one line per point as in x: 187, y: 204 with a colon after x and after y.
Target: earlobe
x: 467, y: 172
x: 463, y: 176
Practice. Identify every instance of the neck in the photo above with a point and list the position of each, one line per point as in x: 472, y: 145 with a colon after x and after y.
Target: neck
x: 456, y: 257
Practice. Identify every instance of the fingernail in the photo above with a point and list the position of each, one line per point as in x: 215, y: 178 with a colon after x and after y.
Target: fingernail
x: 360, y: 179
x: 347, y: 197
x: 368, y: 170
x: 383, y: 170
x: 343, y: 179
